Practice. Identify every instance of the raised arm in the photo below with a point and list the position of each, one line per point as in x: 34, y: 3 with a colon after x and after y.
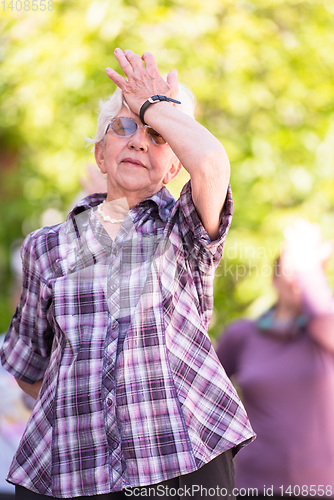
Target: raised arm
x: 307, y: 256
x: 201, y: 154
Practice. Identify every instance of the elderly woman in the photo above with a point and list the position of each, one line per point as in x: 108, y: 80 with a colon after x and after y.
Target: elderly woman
x: 110, y: 334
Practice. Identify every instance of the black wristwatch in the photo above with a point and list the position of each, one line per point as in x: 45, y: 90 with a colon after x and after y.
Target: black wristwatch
x: 152, y: 100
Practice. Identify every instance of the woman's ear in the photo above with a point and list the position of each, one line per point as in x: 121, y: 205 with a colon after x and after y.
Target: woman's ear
x: 99, y: 156
x: 173, y: 172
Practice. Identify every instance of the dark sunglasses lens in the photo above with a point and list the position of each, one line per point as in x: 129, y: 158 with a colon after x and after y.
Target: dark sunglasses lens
x: 155, y: 137
x: 124, y: 127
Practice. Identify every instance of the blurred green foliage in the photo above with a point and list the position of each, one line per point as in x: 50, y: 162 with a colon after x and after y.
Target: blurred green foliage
x: 262, y: 72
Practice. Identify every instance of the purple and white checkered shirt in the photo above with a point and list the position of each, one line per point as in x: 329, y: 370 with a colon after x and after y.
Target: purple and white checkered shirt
x: 133, y: 392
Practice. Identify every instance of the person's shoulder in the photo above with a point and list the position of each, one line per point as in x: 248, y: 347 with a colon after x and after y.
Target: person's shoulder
x: 232, y: 342
x: 239, y: 330
x: 49, y: 234
x: 42, y: 239
x: 240, y: 325
x: 39, y: 249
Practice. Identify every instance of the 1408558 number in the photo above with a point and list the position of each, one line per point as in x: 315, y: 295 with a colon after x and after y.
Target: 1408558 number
x: 314, y: 490
x: 27, y: 5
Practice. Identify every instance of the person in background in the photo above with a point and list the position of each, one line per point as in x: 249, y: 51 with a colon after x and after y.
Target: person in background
x: 111, y: 332
x: 283, y: 364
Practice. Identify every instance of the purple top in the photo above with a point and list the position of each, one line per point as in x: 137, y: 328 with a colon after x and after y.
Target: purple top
x: 287, y: 384
x: 133, y: 391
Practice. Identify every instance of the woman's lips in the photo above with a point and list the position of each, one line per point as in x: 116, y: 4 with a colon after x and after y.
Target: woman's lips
x: 133, y: 161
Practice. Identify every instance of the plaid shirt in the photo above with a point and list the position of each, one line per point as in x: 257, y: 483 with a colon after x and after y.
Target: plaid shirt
x: 133, y: 392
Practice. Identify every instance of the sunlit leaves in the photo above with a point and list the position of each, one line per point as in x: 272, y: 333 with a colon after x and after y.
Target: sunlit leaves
x: 262, y: 72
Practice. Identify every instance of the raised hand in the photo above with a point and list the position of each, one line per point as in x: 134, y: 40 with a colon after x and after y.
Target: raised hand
x: 304, y: 248
x: 141, y: 81
x: 95, y: 182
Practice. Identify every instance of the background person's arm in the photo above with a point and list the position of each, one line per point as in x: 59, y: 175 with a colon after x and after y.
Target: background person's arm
x: 307, y: 256
x: 31, y: 389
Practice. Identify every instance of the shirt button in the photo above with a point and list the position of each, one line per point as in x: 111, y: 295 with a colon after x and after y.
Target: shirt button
x: 114, y: 445
x: 109, y: 401
x: 114, y: 325
x: 114, y: 251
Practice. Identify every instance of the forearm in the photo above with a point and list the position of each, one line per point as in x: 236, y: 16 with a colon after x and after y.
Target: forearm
x: 192, y: 143
x: 319, y: 306
x: 321, y: 329
x: 31, y: 389
x: 305, y: 254
x: 316, y: 293
x: 201, y: 154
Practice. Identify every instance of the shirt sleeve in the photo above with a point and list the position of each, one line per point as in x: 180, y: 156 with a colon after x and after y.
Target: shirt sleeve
x: 26, y: 349
x: 198, y: 255
x: 196, y: 239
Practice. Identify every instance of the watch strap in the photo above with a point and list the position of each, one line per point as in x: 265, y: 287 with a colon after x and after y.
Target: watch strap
x: 153, y: 100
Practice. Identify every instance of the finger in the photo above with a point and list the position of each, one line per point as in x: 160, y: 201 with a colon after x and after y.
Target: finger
x: 172, y: 78
x: 150, y: 63
x: 123, y: 62
x: 134, y: 60
x: 116, y: 78
x: 173, y: 83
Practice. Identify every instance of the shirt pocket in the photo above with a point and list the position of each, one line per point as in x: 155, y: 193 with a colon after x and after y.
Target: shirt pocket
x: 80, y: 310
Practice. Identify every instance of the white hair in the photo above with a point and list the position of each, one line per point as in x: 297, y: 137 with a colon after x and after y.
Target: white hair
x: 112, y: 106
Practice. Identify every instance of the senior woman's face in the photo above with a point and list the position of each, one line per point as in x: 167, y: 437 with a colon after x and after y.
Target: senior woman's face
x: 135, y: 166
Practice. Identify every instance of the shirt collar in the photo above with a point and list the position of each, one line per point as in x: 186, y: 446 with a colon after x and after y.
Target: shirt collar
x: 86, y: 203
x: 162, y: 200
x: 267, y: 323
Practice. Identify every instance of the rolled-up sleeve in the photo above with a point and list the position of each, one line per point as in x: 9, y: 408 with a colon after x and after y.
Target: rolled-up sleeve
x: 26, y: 349
x: 196, y: 238
x: 198, y: 255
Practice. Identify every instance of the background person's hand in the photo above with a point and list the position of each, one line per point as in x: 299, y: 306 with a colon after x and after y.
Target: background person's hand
x: 94, y: 182
x: 141, y: 81
x: 304, y: 248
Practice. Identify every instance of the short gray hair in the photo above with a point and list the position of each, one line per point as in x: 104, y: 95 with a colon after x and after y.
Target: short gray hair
x: 112, y: 106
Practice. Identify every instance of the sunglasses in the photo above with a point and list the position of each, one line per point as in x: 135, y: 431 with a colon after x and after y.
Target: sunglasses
x: 126, y: 127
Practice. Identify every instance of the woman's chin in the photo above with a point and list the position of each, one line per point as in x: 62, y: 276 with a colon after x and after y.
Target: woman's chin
x: 135, y: 182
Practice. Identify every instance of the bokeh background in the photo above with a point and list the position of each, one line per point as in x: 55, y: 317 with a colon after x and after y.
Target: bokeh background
x: 262, y: 72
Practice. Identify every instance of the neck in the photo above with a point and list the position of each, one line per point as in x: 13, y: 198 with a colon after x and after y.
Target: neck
x: 118, y: 206
x: 286, y: 311
x: 132, y: 198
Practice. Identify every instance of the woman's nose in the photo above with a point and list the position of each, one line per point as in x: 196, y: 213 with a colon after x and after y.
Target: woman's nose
x: 139, y: 140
